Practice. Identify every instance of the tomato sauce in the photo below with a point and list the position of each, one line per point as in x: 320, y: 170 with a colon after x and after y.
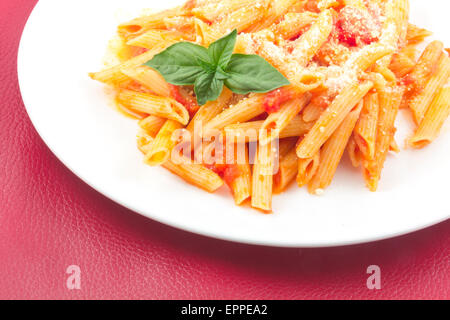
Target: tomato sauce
x: 274, y: 100
x: 186, y: 100
x: 356, y: 27
x: 137, y: 51
x: 136, y: 86
x: 229, y: 172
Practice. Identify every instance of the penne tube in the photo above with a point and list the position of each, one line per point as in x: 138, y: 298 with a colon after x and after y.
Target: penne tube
x: 398, y: 12
x: 278, y: 121
x: 154, y: 38
x: 162, y: 146
x: 410, y: 51
x: 212, y: 11
x: 327, y: 4
x: 262, y: 180
x: 294, y: 24
x: 152, y: 124
x: 205, y: 32
x: 366, y: 127
x: 416, y: 34
x: 287, y: 172
x: 242, y: 19
x: 210, y: 110
x: 390, y: 100
x: 331, y: 118
x: 139, y: 25
x: 355, y: 3
x: 312, y: 112
x: 241, y: 185
x: 390, y: 35
x: 332, y: 152
x: 115, y: 76
x: 433, y: 121
x: 206, y: 112
x: 394, y: 146
x: 354, y: 153
x: 367, y: 56
x: 416, y: 80
x: 154, y: 105
x: 425, y: 65
x: 312, y: 40
x: 285, y: 146
x: 144, y: 141
x: 249, y: 131
x: 307, y: 168
x: 275, y: 11
x: 181, y: 24
x: 149, y: 78
x: 194, y: 174
x: 421, y: 101
x: 244, y: 110
x: 401, y: 65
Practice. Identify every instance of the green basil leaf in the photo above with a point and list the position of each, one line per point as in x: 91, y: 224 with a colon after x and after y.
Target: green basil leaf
x: 207, y: 88
x: 220, y: 74
x: 178, y: 64
x: 222, y: 50
x: 251, y: 73
x: 207, y: 66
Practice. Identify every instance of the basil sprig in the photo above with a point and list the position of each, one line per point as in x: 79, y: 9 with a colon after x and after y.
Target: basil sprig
x: 186, y: 63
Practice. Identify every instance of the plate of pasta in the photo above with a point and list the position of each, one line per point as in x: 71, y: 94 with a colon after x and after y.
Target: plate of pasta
x: 296, y: 123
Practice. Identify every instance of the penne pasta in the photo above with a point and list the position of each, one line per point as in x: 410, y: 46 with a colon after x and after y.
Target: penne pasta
x: 294, y: 24
x: 152, y: 124
x: 249, y: 131
x: 287, y: 172
x: 139, y: 25
x: 312, y: 112
x: 421, y: 100
x: 354, y: 153
x: 212, y: 11
x: 416, y: 80
x: 150, y: 79
x: 163, y: 144
x: 433, y: 121
x: 390, y: 100
x: 366, y: 127
x: 401, y: 65
x: 242, y: 19
x: 262, y: 181
x: 194, y: 174
x: 278, y: 121
x: 332, y: 152
x: 241, y: 184
x: 416, y: 34
x: 115, y: 76
x: 310, y: 42
x: 154, y: 38
x: 154, y: 105
x: 245, y: 110
x: 307, y: 168
x: 331, y: 118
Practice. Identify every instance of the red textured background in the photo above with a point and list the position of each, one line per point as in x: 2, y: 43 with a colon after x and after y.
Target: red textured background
x: 49, y: 219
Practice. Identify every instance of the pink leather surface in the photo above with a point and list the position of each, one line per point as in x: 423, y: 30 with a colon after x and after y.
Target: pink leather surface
x: 49, y: 220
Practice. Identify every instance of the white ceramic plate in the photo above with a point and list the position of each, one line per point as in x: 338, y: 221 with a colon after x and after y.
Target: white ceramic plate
x: 64, y: 40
